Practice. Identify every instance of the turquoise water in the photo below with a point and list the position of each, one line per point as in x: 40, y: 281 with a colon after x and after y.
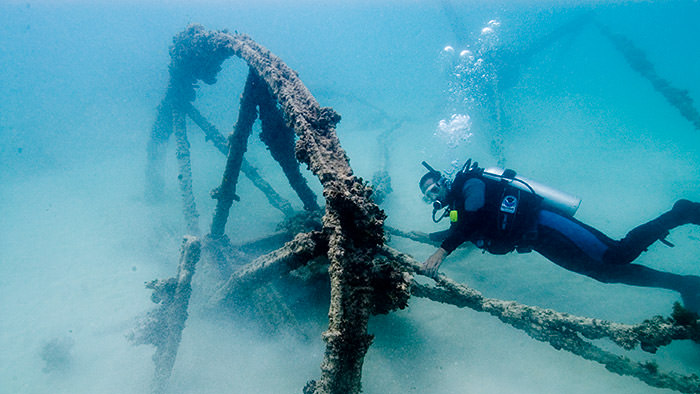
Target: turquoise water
x: 79, y: 88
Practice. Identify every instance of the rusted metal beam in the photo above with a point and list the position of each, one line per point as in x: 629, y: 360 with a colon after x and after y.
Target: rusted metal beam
x: 567, y: 332
x: 279, y: 139
x: 221, y: 143
x: 185, y: 172
x: 225, y: 194
x: 163, y: 326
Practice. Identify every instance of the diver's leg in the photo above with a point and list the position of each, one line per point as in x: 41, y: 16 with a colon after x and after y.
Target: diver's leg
x: 641, y: 237
x: 580, y: 248
x: 638, y: 275
x: 570, y: 244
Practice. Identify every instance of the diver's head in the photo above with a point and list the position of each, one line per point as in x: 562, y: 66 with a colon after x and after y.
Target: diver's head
x: 433, y: 185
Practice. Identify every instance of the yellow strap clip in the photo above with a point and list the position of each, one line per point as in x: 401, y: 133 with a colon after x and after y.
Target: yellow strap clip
x: 453, y: 216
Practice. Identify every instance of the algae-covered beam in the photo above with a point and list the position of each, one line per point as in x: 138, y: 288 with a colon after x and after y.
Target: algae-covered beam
x: 264, y: 245
x: 225, y: 194
x: 637, y: 59
x: 252, y: 290
x: 176, y: 313
x: 294, y: 254
x: 157, y: 144
x: 163, y: 326
x: 185, y: 172
x: 279, y: 139
x: 221, y: 144
x: 189, y: 61
x: 565, y: 331
x: 318, y: 145
x: 302, y: 222
x: 390, y: 282
x: 649, y: 335
x: 417, y: 236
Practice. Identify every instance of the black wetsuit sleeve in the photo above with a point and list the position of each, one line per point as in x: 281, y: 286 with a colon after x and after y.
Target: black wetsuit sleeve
x: 473, y: 195
x: 453, y: 240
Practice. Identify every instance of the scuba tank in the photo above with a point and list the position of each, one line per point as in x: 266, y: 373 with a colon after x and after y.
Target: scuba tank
x: 552, y: 199
x: 508, y: 219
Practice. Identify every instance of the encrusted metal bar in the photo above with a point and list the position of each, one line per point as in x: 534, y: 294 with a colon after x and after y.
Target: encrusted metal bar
x: 294, y: 254
x: 163, y: 326
x: 185, y: 172
x: 221, y: 143
x: 155, y: 163
x: 637, y: 59
x: 416, y: 236
x: 280, y: 140
x: 226, y: 193
x: 565, y: 331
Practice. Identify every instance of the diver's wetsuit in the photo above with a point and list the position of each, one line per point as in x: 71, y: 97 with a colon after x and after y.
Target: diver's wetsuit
x: 572, y: 244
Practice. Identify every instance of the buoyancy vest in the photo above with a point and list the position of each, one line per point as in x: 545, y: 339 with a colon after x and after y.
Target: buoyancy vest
x: 506, y: 222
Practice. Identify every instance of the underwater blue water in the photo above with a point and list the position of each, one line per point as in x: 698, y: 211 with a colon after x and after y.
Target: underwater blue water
x: 413, y: 81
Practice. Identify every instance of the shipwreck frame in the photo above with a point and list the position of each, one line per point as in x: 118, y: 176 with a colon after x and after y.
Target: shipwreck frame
x: 366, y: 276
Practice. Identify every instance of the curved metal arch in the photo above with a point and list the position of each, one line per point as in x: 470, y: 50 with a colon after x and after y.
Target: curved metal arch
x: 352, y: 224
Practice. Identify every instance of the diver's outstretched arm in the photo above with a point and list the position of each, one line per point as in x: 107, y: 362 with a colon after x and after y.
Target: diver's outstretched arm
x: 431, y: 265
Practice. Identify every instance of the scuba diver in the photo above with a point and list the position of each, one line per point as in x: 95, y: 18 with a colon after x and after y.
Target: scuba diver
x: 500, y: 212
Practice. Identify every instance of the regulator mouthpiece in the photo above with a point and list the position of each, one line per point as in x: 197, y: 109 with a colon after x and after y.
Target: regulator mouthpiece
x: 437, y: 206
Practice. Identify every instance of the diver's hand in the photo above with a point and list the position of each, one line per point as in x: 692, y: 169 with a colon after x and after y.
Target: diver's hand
x: 431, y: 265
